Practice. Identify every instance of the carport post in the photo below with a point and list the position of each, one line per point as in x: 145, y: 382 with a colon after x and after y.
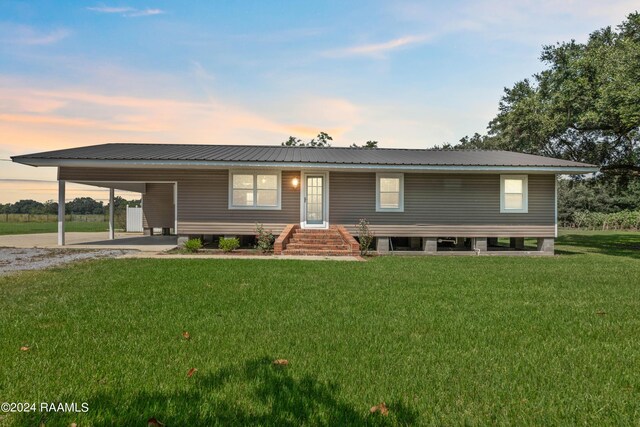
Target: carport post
x: 112, y: 232
x: 61, y: 212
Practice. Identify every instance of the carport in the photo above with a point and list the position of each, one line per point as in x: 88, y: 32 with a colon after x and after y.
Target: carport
x: 159, y: 204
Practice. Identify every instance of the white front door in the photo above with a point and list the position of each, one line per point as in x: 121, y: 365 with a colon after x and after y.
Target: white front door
x: 314, y: 200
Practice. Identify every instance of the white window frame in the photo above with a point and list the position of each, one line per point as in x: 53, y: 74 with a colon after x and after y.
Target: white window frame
x: 255, y: 174
x: 380, y: 175
x: 525, y: 194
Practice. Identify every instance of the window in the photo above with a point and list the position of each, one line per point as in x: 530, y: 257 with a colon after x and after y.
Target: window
x: 389, y: 192
x: 513, y: 194
x: 259, y: 190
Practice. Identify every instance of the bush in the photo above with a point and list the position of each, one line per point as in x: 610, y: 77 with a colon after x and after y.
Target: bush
x: 193, y: 245
x: 365, y: 236
x: 229, y: 244
x: 264, y: 239
x: 624, y: 220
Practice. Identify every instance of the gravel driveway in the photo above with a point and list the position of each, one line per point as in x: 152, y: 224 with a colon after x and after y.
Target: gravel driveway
x: 14, y: 259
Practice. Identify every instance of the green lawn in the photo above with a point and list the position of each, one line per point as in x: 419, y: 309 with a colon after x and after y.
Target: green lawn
x: 441, y: 340
x: 49, y: 227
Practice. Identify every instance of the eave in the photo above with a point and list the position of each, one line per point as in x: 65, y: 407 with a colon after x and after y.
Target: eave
x: 177, y: 164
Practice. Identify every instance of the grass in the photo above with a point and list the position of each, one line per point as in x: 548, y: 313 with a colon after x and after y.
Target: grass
x: 440, y: 340
x: 49, y: 227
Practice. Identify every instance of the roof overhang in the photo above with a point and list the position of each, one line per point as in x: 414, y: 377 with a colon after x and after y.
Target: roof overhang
x: 181, y: 164
x: 136, y: 187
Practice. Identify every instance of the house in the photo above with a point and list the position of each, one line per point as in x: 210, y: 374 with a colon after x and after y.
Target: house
x: 421, y: 200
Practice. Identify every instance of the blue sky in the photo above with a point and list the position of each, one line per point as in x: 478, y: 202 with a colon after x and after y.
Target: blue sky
x: 408, y: 74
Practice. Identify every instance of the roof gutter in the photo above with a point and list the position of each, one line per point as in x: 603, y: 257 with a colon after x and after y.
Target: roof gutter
x: 297, y: 165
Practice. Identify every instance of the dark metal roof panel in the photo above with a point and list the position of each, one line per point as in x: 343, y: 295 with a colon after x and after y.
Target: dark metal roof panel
x: 332, y: 155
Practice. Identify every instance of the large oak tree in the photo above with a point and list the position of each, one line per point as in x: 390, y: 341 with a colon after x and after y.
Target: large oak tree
x: 585, y: 106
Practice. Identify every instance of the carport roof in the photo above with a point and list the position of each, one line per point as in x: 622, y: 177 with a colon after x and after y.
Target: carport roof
x: 264, y: 155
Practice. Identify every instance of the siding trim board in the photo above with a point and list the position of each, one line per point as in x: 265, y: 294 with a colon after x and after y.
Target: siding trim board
x: 175, y: 207
x: 467, y: 231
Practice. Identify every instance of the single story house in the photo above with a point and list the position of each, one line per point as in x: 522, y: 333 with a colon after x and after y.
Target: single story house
x: 312, y: 198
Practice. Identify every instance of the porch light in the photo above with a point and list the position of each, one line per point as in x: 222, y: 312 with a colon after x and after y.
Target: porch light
x: 295, y: 182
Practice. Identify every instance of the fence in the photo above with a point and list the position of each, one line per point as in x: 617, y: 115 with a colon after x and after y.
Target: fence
x: 134, y: 219
x: 52, y: 218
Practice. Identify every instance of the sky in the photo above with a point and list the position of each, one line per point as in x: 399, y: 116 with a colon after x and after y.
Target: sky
x: 409, y: 74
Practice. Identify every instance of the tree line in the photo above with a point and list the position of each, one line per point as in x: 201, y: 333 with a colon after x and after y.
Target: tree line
x: 78, y: 206
x: 323, y: 140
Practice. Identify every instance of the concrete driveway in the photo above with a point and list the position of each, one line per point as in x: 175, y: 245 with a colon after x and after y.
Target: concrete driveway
x: 77, y: 240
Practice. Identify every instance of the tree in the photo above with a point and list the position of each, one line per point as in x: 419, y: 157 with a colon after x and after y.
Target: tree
x: 368, y: 144
x: 475, y: 142
x: 293, y: 142
x: 85, y: 206
x: 596, y: 195
x: 585, y: 106
x: 50, y: 207
x: 120, y: 204
x: 447, y: 146
x: 27, y: 206
x: 320, y: 141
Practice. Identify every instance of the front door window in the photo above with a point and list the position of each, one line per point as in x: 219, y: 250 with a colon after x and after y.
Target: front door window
x: 315, y: 199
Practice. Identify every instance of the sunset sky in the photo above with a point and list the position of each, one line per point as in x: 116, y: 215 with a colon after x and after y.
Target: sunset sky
x: 408, y: 74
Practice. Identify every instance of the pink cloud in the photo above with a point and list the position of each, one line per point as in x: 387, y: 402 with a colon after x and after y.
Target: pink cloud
x: 378, y: 49
x: 126, y: 11
x: 81, y: 117
x: 26, y: 35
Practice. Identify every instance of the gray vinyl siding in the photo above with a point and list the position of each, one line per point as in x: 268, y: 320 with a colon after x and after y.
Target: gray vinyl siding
x: 466, y: 205
x: 443, y: 205
x: 157, y: 206
x: 203, y: 198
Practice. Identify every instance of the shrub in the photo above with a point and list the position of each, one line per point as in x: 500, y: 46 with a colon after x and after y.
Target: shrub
x: 264, y: 239
x: 623, y: 220
x: 193, y: 245
x: 365, y: 236
x: 229, y: 244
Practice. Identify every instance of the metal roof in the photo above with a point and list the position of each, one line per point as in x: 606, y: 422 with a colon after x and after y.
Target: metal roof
x: 263, y: 154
